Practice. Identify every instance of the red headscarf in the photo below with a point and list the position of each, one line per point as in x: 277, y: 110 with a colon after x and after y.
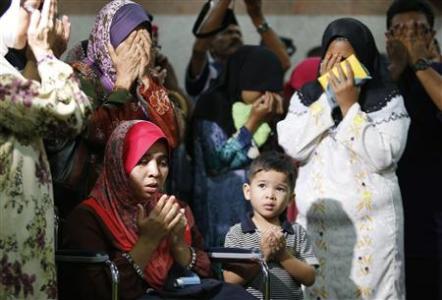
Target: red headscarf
x: 304, y: 72
x: 113, y: 201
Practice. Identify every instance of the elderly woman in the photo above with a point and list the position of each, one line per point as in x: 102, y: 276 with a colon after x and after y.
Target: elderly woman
x: 348, y: 141
x: 30, y: 111
x: 150, y: 236
x: 117, y: 75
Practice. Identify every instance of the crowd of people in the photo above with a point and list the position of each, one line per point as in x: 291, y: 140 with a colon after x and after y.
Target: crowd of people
x: 336, y: 185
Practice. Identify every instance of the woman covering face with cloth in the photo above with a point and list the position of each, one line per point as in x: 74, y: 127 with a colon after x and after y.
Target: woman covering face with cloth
x: 31, y: 111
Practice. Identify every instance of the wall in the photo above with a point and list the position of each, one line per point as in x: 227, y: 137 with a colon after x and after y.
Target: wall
x: 305, y: 30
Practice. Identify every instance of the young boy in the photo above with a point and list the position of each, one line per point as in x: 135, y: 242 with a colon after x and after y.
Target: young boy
x: 285, y: 246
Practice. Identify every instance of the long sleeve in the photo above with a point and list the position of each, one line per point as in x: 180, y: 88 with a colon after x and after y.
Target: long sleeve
x: 302, y: 129
x: 222, y: 152
x: 93, y: 282
x: 378, y: 138
x: 56, y: 107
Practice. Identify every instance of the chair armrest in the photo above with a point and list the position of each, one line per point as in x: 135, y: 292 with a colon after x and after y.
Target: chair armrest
x: 221, y: 254
x: 80, y: 256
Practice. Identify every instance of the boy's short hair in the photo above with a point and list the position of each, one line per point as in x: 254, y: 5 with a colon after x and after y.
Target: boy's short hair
x: 402, y: 6
x: 276, y: 161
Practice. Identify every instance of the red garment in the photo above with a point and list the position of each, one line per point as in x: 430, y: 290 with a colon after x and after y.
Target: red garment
x: 304, y: 72
x: 114, y: 203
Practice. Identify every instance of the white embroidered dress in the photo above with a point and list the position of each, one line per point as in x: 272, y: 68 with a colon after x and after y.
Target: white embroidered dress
x: 348, y: 196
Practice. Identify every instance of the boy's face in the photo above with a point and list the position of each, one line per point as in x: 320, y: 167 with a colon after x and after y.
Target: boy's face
x: 269, y: 193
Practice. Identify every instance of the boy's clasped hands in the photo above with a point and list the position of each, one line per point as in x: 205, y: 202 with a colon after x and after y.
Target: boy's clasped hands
x: 273, y: 245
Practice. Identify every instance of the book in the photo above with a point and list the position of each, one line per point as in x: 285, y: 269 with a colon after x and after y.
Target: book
x: 359, y: 71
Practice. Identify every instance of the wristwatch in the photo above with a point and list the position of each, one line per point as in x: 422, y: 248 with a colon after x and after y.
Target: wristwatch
x: 421, y: 64
x: 263, y: 27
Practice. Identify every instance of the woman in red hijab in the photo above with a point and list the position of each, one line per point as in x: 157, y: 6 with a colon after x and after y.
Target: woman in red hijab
x: 149, y: 235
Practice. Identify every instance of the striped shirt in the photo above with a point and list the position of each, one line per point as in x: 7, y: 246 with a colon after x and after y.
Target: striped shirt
x: 282, y: 286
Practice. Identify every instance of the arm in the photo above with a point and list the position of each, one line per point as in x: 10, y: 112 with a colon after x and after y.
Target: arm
x: 431, y: 80
x: 57, y: 106
x: 378, y: 138
x: 299, y: 265
x: 222, y: 152
x: 299, y: 270
x: 238, y: 273
x: 182, y: 250
x: 303, y: 128
x: 269, y: 37
x: 83, y: 231
x: 201, y: 45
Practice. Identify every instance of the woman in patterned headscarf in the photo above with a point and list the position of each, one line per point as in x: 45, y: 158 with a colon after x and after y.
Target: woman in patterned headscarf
x: 29, y: 112
x: 116, y: 74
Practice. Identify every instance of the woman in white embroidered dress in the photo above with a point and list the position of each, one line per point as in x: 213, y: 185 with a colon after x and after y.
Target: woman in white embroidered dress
x: 29, y: 111
x: 348, y: 141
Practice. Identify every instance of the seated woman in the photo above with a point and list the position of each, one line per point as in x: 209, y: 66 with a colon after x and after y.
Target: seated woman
x: 150, y: 236
x: 117, y: 75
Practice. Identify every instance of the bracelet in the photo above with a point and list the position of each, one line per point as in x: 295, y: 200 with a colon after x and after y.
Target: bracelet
x: 263, y: 27
x: 192, y: 260
x: 45, y: 57
x: 136, y: 267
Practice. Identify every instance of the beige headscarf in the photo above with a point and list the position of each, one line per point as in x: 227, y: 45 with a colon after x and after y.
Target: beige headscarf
x: 8, y: 34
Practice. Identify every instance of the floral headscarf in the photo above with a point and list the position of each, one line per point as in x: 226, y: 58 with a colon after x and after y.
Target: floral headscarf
x: 100, y: 37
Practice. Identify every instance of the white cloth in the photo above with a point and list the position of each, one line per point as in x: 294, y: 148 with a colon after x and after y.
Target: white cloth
x: 348, y: 196
x: 8, y: 26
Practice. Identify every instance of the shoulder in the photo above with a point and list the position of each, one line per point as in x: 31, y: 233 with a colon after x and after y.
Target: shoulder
x: 235, y: 230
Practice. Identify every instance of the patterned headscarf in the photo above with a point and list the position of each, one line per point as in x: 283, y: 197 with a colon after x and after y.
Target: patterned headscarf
x: 113, y: 201
x: 101, y: 35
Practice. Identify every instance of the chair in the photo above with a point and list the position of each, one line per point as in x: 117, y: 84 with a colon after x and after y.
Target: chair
x: 86, y: 257
x: 231, y: 255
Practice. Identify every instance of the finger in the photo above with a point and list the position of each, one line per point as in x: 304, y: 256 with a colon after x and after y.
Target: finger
x: 350, y: 73
x: 112, y: 53
x: 280, y: 104
x: 171, y: 213
x: 167, y: 206
x: 45, y: 12
x: 331, y: 62
x: 51, y: 14
x: 341, y: 73
x: 66, y: 27
x: 33, y: 23
x: 333, y: 80
x: 140, y: 214
x: 174, y: 222
x: 160, y: 204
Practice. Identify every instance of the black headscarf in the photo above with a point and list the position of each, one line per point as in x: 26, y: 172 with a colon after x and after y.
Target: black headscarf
x: 252, y: 68
x: 376, y: 92
x: 4, y: 5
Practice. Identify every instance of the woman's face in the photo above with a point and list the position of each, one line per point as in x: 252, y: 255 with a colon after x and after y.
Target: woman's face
x: 24, y: 16
x: 340, y: 47
x: 249, y: 97
x: 147, y: 178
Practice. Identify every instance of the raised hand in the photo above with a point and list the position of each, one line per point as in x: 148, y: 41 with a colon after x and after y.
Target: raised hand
x: 126, y: 60
x: 254, y: 8
x: 62, y: 34
x: 329, y: 61
x: 397, y: 54
x: 146, y: 52
x: 41, y: 31
x: 177, y: 232
x: 344, y: 88
x: 161, y: 220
